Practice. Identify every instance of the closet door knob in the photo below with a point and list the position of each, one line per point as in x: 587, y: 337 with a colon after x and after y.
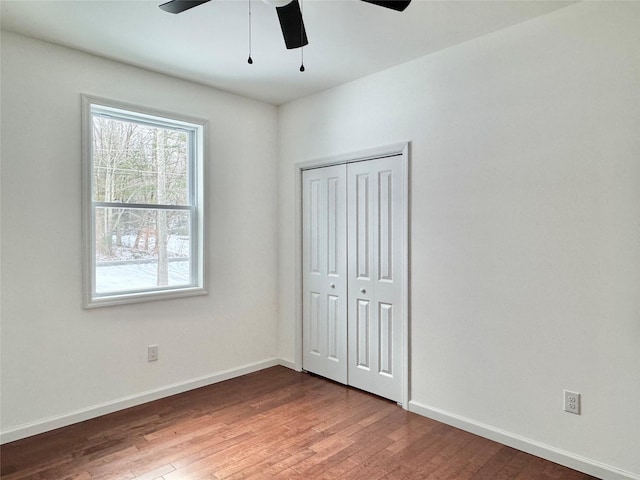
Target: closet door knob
x: 362, y: 290
x: 332, y: 285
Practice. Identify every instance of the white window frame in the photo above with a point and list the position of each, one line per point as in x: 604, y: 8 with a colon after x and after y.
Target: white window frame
x: 196, y: 129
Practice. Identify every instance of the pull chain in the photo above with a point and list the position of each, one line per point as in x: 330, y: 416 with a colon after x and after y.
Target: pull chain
x: 250, y: 60
x: 301, y: 37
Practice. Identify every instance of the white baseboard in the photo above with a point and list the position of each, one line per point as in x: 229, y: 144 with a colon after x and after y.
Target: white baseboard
x: 94, y: 411
x: 289, y: 364
x: 568, y: 459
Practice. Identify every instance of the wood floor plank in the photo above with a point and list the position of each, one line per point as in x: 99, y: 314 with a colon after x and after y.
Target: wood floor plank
x: 496, y: 463
x: 272, y: 424
x: 513, y: 467
x: 277, y: 469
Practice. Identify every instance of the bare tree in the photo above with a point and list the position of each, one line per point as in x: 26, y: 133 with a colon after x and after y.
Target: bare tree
x: 141, y: 164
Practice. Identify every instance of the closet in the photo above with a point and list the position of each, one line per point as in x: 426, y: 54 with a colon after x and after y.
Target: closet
x: 354, y: 224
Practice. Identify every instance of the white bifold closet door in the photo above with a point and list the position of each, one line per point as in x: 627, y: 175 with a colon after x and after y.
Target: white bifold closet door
x: 353, y: 251
x: 324, y: 251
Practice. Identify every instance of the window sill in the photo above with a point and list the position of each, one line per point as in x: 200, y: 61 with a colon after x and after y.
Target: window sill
x: 127, y: 298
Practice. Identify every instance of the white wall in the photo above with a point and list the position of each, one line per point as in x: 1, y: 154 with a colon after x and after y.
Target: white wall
x: 525, y: 225
x: 58, y: 359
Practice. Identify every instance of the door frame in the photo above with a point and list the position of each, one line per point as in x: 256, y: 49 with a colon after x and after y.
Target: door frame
x: 400, y: 150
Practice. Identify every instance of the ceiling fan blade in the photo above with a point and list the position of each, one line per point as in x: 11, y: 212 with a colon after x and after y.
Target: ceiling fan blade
x: 292, y: 25
x: 398, y: 5
x: 178, y: 6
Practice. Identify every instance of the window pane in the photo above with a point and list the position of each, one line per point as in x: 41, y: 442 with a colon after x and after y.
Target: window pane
x: 142, y: 249
x: 137, y: 163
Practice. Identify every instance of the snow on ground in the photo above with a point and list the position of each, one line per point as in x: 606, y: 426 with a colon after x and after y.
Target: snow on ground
x: 133, y: 276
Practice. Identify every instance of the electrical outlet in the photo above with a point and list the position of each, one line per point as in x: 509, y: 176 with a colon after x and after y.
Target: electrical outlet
x: 572, y: 402
x: 152, y: 353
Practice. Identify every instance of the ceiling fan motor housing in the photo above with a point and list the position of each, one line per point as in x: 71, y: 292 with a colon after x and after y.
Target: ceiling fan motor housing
x: 277, y: 3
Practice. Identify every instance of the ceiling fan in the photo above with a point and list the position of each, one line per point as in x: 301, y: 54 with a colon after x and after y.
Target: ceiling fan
x: 289, y: 14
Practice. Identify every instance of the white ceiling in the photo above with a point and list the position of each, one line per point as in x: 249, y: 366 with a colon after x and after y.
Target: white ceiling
x: 348, y: 39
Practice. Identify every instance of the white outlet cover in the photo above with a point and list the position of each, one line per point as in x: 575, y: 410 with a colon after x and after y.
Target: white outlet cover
x: 571, y: 402
x: 152, y: 353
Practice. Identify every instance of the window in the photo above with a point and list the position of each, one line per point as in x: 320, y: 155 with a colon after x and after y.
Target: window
x: 143, y: 204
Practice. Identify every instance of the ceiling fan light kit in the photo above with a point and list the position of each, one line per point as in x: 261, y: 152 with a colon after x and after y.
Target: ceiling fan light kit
x: 289, y: 15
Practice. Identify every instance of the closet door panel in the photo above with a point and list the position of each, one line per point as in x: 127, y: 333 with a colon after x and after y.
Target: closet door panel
x: 375, y: 200
x: 324, y: 304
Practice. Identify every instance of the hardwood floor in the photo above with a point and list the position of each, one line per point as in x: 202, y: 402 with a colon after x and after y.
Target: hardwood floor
x: 277, y: 424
